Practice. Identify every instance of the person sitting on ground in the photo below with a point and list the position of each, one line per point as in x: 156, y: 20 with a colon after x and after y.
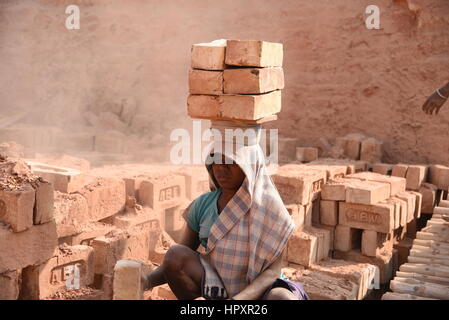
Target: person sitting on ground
x: 243, y: 227
x: 436, y: 100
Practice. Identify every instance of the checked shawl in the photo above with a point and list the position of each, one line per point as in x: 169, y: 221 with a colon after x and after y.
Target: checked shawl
x: 251, y: 231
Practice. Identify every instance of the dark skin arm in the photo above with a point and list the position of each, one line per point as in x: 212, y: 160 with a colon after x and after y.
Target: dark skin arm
x: 256, y: 289
x: 156, y: 278
x: 435, y: 102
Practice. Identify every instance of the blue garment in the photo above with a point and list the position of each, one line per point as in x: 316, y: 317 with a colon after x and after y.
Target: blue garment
x: 202, y: 215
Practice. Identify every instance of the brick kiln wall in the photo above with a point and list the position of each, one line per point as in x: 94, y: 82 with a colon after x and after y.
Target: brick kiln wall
x: 130, y: 60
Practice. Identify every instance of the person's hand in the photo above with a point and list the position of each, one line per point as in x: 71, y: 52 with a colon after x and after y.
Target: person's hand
x: 433, y: 103
x: 200, y: 298
x: 144, y: 279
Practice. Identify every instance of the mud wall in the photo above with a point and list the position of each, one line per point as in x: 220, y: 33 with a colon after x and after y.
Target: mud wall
x: 126, y: 68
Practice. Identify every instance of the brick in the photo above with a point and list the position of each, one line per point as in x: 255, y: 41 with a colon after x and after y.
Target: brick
x: 400, y: 170
x: 254, y: 53
x: 323, y: 286
x: 16, y: 208
x: 439, y: 176
x: 323, y: 241
x: 383, y: 262
x: 345, y: 238
x: 105, y: 197
x: 329, y: 212
x: 371, y: 150
x: 89, y: 232
x: 306, y: 154
x: 383, y: 168
x: 197, y: 181
x: 298, y: 184
x: 206, y: 82
x: 375, y: 243
x: 362, y: 274
x: 411, y: 203
x: 9, y: 285
x: 161, y: 192
x: 127, y: 281
x: 351, y: 145
x: 400, y: 213
x: 135, y: 243
x: 173, y: 222
x: 160, y: 247
x: 252, y: 80
x: 335, y: 189
x: 63, y: 179
x: 43, y: 209
x: 44, y: 280
x: 31, y: 247
x: 316, y: 211
x: 302, y: 249
x: 415, y: 176
x: 331, y: 230
x: 378, y: 217
x: 308, y: 214
x: 241, y: 107
x: 428, y: 192
x: 70, y: 213
x: 297, y: 213
x: 209, y: 56
x: 132, y: 186
x: 367, y: 192
x: 397, y: 184
x: 418, y: 204
x: 333, y: 171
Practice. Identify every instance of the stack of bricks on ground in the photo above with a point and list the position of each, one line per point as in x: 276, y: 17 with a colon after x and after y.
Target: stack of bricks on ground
x: 90, y: 220
x: 353, y: 146
x: 235, y: 80
x: 352, y: 225
x: 425, y: 276
x: 364, y: 217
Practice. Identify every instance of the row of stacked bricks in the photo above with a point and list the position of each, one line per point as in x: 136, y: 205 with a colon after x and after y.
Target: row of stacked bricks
x: 315, y: 238
x: 91, y: 219
x: 236, y: 80
x: 426, y: 274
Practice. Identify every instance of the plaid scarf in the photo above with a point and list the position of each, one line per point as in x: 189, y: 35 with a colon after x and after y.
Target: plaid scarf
x: 251, y: 231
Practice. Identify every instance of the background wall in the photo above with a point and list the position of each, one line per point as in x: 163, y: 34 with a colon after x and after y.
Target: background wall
x: 126, y: 68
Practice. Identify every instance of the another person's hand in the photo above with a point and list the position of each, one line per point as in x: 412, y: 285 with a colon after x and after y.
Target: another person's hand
x: 434, y: 102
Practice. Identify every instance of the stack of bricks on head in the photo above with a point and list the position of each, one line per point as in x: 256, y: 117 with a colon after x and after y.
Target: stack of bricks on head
x: 237, y: 80
x: 362, y: 221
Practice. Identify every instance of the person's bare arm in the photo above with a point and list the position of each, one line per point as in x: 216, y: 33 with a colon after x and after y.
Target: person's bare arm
x: 256, y: 288
x: 435, y: 101
x: 156, y: 278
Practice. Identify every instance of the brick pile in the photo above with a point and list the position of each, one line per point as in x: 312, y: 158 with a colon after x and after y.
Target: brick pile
x: 355, y: 146
x: 425, y: 276
x: 27, y: 228
x: 236, y: 80
x: 88, y: 221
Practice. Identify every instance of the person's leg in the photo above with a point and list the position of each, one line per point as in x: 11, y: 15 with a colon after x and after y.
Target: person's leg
x: 280, y: 293
x: 184, y: 272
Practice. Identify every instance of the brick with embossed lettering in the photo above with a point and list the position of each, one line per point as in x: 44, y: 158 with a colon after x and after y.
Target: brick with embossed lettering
x: 298, y: 183
x: 162, y: 192
x: 379, y: 217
